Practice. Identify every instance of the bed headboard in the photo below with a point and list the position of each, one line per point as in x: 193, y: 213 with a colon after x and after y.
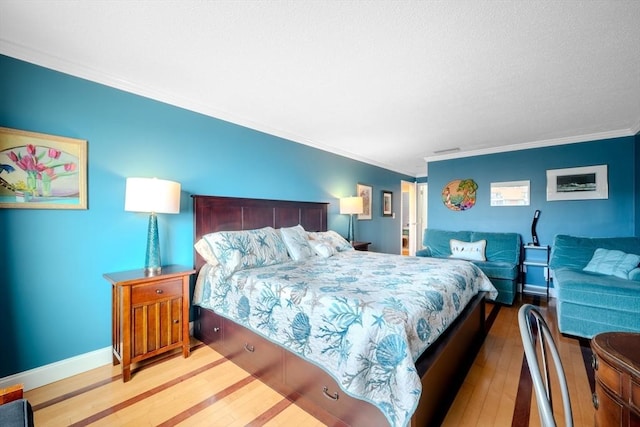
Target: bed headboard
x: 213, y: 213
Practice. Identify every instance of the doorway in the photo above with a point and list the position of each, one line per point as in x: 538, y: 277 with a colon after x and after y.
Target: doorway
x: 421, y: 217
x: 414, y: 216
x: 408, y: 216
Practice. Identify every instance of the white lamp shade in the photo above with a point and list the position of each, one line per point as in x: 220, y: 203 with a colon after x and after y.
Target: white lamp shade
x: 152, y: 195
x: 351, y: 205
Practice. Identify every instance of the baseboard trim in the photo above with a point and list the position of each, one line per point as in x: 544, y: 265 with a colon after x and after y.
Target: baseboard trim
x: 538, y: 290
x: 47, y: 374
x: 43, y: 375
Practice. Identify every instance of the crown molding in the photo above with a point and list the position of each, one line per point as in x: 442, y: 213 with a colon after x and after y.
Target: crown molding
x: 535, y: 144
x: 81, y: 71
x: 77, y: 70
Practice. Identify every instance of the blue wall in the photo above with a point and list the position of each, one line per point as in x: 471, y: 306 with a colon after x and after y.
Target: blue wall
x: 598, y: 218
x: 637, y: 185
x: 54, y: 303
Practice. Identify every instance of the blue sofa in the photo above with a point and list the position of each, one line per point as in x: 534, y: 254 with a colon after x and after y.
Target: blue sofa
x: 502, y: 265
x: 590, y: 302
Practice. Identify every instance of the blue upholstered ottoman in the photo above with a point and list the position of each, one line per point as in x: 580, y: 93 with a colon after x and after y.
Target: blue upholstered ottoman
x: 16, y: 414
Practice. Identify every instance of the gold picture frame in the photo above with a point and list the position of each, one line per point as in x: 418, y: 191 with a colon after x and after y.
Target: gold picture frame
x: 40, y: 171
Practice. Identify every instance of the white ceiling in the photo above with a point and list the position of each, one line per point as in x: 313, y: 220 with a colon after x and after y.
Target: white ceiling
x: 387, y: 82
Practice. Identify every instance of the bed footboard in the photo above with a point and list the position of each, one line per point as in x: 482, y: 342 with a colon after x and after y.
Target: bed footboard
x: 442, y: 369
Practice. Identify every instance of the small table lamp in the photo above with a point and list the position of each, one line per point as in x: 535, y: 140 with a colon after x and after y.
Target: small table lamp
x: 154, y: 196
x: 351, y: 206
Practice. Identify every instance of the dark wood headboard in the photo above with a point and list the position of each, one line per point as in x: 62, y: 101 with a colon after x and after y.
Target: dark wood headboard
x: 213, y: 213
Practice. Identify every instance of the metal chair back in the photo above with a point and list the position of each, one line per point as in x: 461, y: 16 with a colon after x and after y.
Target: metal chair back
x: 534, y: 328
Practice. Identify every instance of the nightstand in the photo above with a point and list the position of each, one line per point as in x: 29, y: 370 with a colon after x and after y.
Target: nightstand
x: 150, y: 314
x: 361, y: 246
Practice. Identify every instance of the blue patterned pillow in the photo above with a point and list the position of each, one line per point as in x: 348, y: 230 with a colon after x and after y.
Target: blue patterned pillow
x: 297, y: 242
x: 333, y: 239
x: 236, y: 250
x: 612, y: 263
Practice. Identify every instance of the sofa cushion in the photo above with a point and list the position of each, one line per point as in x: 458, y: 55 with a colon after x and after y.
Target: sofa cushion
x: 498, y: 269
x: 588, y: 320
x: 635, y: 274
x: 612, y: 263
x: 506, y: 290
x: 470, y: 251
x: 438, y: 241
x: 502, y: 247
x: 576, y: 252
x: 592, y: 289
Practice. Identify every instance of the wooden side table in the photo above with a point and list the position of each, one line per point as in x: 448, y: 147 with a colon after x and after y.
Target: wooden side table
x: 616, y: 362
x: 150, y: 314
x: 361, y: 246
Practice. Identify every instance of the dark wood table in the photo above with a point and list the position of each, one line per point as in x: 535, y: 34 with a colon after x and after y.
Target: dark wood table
x: 616, y: 362
x: 360, y: 246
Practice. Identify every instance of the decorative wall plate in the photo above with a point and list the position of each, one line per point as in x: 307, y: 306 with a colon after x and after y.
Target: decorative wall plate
x: 460, y: 194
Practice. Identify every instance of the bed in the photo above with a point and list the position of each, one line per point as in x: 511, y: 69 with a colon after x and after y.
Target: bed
x: 352, y: 374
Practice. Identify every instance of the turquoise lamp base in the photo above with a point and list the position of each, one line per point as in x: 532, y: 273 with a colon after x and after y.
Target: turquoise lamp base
x: 352, y: 234
x: 152, y: 265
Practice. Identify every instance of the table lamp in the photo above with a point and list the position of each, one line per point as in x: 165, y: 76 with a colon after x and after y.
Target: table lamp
x: 154, y: 196
x: 351, y: 206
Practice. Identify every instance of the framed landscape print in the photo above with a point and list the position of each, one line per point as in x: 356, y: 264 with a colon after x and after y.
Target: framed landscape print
x: 583, y: 183
x: 39, y: 171
x: 365, y: 192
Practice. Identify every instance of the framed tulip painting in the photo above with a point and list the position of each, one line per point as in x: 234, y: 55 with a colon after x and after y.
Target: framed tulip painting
x: 39, y: 171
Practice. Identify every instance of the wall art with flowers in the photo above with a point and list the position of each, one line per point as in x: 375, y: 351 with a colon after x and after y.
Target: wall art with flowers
x: 39, y: 171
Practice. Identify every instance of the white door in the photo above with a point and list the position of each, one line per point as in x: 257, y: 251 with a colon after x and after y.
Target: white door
x: 421, y: 220
x: 408, y: 230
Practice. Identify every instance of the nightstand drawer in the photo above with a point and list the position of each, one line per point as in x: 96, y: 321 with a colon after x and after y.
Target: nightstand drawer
x: 143, y: 294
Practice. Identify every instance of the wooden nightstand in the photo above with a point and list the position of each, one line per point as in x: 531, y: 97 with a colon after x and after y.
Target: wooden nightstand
x: 361, y: 246
x: 150, y: 315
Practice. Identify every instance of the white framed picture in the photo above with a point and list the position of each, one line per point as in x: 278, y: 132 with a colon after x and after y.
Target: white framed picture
x: 582, y: 183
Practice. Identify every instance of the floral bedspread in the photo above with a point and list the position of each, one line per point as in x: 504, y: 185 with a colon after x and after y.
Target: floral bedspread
x: 363, y: 317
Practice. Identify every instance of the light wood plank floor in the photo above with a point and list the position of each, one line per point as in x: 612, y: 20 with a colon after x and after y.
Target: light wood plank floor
x: 207, y: 390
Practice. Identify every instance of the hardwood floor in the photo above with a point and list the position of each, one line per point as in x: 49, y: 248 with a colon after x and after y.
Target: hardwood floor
x: 207, y: 390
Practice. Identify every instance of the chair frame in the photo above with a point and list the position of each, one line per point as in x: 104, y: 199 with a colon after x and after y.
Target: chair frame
x: 528, y: 316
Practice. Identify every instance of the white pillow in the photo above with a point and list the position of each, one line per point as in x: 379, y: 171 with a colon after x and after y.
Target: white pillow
x: 203, y: 248
x: 322, y: 249
x: 470, y: 251
x: 333, y: 239
x: 295, y: 238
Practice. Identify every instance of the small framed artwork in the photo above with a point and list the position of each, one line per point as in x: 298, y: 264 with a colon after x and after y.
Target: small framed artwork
x: 387, y: 203
x: 39, y: 171
x: 583, y: 183
x: 510, y: 193
x: 365, y: 192
x: 460, y: 194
